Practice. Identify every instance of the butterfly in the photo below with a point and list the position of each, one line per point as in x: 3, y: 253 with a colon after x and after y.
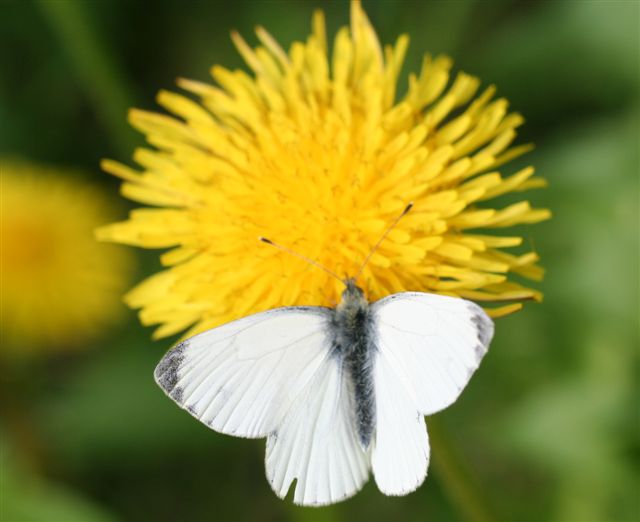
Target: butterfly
x: 337, y: 392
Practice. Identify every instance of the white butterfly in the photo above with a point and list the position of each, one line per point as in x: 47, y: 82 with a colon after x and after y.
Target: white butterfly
x: 336, y: 392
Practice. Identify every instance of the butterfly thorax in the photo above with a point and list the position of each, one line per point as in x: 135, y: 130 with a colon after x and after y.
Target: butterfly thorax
x: 354, y: 343
x: 353, y: 307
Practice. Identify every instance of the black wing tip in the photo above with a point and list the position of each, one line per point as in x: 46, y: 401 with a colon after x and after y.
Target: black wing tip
x: 166, y: 372
x: 484, y: 326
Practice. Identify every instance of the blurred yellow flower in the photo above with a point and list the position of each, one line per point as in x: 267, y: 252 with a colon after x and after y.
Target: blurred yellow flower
x: 320, y: 154
x: 59, y: 286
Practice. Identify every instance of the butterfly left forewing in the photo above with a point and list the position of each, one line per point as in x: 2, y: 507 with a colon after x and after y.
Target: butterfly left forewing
x: 240, y: 377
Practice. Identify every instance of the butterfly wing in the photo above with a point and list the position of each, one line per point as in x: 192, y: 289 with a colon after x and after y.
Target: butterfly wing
x: 428, y: 346
x: 273, y: 375
x: 400, y: 455
x: 240, y: 377
x: 318, y: 444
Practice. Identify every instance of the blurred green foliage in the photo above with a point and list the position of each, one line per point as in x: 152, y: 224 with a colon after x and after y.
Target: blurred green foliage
x: 549, y: 426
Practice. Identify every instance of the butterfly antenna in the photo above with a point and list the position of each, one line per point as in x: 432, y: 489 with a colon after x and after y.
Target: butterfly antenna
x: 300, y: 256
x: 382, y: 238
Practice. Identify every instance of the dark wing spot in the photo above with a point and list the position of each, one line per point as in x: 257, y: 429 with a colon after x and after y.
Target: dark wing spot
x: 176, y: 394
x: 479, y: 350
x: 166, y: 372
x: 471, y: 370
x: 271, y: 442
x: 484, y: 326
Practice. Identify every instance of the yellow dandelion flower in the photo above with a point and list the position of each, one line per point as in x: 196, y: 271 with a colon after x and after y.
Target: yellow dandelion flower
x: 59, y: 287
x: 320, y: 153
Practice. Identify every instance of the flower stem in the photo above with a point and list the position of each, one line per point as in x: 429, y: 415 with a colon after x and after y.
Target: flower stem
x: 456, y: 479
x: 103, y: 81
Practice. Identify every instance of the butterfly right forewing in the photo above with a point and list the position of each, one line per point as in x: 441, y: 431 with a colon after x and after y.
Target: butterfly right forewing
x: 437, y: 343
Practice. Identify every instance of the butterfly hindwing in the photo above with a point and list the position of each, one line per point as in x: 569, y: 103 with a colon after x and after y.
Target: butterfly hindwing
x: 400, y: 454
x: 317, y: 443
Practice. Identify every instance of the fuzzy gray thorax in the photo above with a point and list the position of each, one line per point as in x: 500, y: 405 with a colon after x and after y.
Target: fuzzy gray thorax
x: 354, y: 341
x: 353, y: 310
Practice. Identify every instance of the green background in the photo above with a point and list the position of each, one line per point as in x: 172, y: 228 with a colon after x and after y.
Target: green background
x: 548, y: 428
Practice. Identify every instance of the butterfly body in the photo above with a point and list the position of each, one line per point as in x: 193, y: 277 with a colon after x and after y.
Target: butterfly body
x: 354, y: 343
x: 337, y: 392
